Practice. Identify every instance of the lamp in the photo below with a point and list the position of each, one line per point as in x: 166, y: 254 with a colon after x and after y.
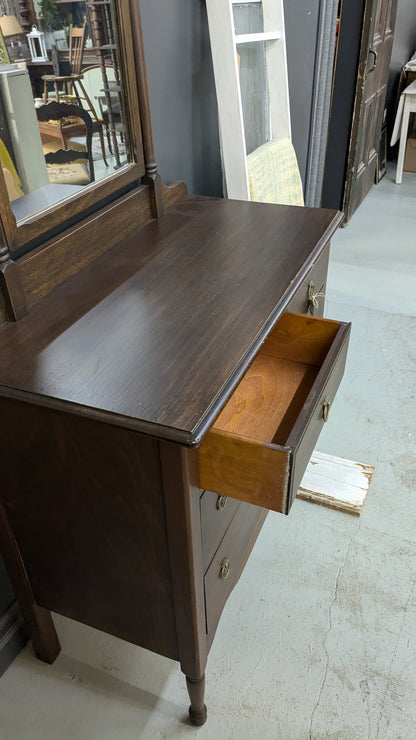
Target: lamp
x: 37, y: 45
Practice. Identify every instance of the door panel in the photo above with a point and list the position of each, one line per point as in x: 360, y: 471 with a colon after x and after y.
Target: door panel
x: 376, y: 46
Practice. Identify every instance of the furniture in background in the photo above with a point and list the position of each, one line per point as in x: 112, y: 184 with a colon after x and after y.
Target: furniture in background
x: 407, y: 105
x: 273, y: 174
x: 23, y: 128
x: 74, y: 90
x: 227, y: 45
x: 71, y: 120
x: 68, y: 93
x: 37, y: 70
x: 111, y: 115
x: 89, y: 96
x: 105, y: 44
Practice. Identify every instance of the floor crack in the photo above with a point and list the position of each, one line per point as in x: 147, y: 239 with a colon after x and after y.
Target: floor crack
x: 406, y: 606
x: 325, y: 637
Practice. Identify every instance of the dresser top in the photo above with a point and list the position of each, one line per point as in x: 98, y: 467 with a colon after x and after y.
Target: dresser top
x: 155, y: 334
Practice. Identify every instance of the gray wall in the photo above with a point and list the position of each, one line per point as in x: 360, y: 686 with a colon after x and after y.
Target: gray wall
x: 301, y: 23
x: 182, y: 93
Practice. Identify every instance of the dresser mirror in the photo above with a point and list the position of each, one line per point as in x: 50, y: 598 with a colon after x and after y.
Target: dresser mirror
x: 59, y: 166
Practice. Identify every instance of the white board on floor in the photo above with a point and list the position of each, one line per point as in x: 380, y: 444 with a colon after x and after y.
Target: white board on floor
x: 336, y: 482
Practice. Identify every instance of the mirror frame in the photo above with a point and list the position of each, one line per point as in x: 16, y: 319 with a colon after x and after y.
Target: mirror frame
x: 18, y: 236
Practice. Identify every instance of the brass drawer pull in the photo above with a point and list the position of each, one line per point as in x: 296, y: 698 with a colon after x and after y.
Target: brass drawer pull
x: 221, y: 502
x: 224, y: 569
x: 326, y: 407
x: 313, y: 297
x: 311, y: 291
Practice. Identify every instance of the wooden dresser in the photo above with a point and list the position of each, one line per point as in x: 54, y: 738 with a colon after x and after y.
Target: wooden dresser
x: 165, y: 389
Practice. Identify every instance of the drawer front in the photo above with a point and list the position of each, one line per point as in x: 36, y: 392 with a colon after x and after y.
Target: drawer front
x: 294, y: 381
x: 229, y: 561
x: 308, y: 298
x: 316, y: 411
x: 216, y: 514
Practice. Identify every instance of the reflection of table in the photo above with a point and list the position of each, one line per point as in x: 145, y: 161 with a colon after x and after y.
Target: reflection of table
x: 407, y: 105
x: 39, y: 199
x: 36, y: 71
x: 64, y: 132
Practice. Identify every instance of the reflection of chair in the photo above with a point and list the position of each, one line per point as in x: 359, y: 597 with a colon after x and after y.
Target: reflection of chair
x: 68, y: 82
x: 95, y: 81
x: 68, y: 124
x: 91, y: 89
x: 110, y: 111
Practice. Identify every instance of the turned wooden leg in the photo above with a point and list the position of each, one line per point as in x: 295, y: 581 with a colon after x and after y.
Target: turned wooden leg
x: 41, y: 631
x: 38, y: 621
x: 196, y: 691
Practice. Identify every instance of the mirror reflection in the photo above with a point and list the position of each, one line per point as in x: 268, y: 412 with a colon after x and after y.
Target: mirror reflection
x: 62, y: 122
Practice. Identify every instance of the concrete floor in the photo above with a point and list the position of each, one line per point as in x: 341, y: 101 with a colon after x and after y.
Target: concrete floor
x: 318, y: 639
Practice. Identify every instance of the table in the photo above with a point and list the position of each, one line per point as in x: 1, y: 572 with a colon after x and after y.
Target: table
x: 407, y: 105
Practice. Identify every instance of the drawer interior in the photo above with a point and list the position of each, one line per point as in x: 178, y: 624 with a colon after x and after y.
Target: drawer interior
x: 269, y: 398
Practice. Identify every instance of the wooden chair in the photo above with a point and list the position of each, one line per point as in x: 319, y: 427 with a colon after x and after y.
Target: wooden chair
x: 72, y: 120
x: 89, y: 97
x: 68, y: 93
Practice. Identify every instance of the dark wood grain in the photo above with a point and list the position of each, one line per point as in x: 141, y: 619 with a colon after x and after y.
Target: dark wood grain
x: 180, y: 482
x: 196, y: 691
x: 3, y: 314
x: 126, y: 39
x: 160, y: 342
x: 235, y: 548
x: 38, y: 621
x: 62, y: 214
x: 151, y: 177
x: 215, y: 522
x: 172, y: 193
x: 45, y: 268
x: 11, y: 286
x: 86, y: 509
x: 142, y: 88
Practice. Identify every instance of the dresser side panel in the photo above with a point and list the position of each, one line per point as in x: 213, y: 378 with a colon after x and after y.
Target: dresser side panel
x: 85, y: 503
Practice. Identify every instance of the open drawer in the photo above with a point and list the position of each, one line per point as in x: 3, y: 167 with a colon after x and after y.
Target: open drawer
x: 260, y: 445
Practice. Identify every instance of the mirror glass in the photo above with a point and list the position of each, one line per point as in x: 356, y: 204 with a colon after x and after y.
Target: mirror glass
x: 71, y: 57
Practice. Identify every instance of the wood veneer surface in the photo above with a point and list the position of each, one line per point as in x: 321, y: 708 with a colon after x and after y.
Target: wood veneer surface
x: 262, y: 399
x: 156, y: 333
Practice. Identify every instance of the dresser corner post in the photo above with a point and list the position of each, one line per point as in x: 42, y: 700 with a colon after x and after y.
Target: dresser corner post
x: 38, y: 622
x: 198, y: 709
x: 182, y: 505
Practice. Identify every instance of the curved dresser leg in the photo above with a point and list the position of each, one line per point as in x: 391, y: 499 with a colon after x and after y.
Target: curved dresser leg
x: 196, y: 691
x: 38, y: 621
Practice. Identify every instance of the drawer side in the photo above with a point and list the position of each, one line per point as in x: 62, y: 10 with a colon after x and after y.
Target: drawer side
x: 245, y: 469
